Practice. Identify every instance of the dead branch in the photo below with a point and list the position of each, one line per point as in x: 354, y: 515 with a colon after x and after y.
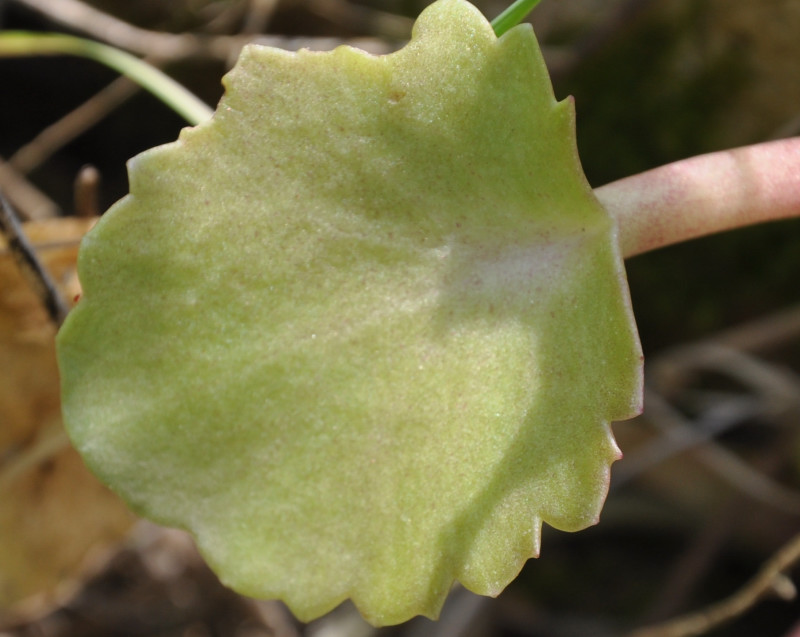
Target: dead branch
x: 173, y: 46
x: 32, y: 268
x: 770, y: 580
x: 33, y: 154
x: 32, y: 203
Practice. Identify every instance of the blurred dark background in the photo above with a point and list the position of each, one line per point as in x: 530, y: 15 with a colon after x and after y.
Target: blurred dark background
x: 655, y: 81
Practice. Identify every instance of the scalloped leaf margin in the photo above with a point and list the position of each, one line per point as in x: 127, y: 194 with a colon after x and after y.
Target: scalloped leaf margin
x: 363, y: 331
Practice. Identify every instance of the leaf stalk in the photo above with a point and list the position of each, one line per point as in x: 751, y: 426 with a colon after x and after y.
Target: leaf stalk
x: 704, y: 195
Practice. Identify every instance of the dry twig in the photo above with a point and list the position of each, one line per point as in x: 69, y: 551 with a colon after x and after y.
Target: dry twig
x: 174, y: 46
x: 363, y: 18
x: 29, y: 263
x: 679, y: 434
x: 87, y: 192
x: 29, y: 200
x: 258, y: 15
x: 37, y: 151
x: 780, y: 387
x: 762, y: 334
x: 107, y: 28
x: 770, y: 580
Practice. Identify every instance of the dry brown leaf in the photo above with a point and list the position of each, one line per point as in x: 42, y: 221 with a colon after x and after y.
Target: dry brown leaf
x: 53, y: 512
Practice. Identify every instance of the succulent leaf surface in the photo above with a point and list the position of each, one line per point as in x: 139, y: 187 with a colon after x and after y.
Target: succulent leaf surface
x: 363, y: 331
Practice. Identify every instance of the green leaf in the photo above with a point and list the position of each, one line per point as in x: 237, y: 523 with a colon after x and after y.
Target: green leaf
x: 364, y: 331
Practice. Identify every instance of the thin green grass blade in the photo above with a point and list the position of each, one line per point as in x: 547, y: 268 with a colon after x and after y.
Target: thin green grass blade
x: 183, y: 102
x: 512, y: 16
